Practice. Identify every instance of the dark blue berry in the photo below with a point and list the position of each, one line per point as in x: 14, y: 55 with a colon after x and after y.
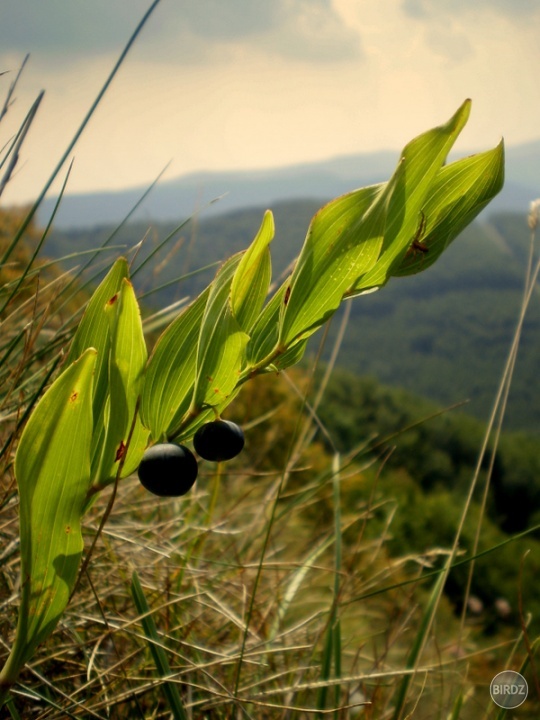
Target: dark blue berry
x: 219, y: 440
x: 168, y: 470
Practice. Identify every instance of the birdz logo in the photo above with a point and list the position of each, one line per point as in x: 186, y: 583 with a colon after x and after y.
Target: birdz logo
x: 508, y: 689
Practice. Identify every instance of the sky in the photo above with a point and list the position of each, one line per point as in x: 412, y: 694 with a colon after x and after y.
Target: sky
x: 253, y: 84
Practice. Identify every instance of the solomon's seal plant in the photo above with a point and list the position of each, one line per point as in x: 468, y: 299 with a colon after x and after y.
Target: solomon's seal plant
x: 94, y: 424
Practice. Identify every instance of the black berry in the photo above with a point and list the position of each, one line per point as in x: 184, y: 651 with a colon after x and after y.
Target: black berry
x: 219, y: 440
x: 168, y: 470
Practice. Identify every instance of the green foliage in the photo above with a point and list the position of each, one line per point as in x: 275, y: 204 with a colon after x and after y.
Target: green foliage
x: 52, y: 467
x: 221, y: 343
x: 343, y: 242
x: 440, y: 452
x: 250, y: 284
x: 112, y: 326
x: 425, y: 521
x: 353, y: 244
x: 168, y: 384
x: 127, y: 362
x: 446, y: 335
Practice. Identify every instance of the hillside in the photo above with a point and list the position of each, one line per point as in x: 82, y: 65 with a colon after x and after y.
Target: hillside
x: 443, y: 334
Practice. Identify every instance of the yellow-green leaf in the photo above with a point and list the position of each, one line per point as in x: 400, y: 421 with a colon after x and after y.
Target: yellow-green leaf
x: 461, y: 190
x: 221, y: 346
x: 292, y: 356
x: 170, y: 374
x: 265, y: 332
x: 52, y: 467
x: 127, y: 361
x: 252, y: 277
x: 420, y: 162
x: 343, y: 242
x: 93, y: 331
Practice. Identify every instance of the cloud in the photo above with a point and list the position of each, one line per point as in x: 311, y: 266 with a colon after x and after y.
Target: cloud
x: 313, y: 31
x: 452, y: 28
x: 58, y: 27
x: 182, y: 31
x: 514, y: 10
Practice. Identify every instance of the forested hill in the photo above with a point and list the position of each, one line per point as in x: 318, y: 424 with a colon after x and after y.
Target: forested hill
x: 443, y: 334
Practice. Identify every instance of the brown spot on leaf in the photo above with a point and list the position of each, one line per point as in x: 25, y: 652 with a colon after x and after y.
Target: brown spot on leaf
x: 287, y: 295
x: 120, y: 452
x: 68, y: 529
x: 112, y: 300
x: 74, y: 396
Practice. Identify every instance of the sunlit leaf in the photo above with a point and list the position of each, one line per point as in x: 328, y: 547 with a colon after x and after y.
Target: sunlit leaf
x: 252, y: 277
x: 461, y: 190
x: 265, y: 332
x: 292, y: 356
x: 419, y: 165
x: 52, y: 467
x: 127, y: 362
x: 202, y: 339
x: 93, y: 331
x: 170, y: 375
x: 343, y: 242
x: 221, y: 346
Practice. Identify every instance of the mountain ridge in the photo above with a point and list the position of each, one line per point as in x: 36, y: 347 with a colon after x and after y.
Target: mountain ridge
x: 180, y: 197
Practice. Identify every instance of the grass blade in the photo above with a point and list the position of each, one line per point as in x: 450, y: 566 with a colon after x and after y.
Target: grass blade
x: 420, y: 640
x: 332, y: 648
x: 154, y: 643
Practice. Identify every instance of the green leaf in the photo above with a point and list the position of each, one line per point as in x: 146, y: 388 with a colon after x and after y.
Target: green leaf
x: 170, y: 374
x: 252, y: 277
x: 93, y: 331
x: 221, y: 346
x: 461, y: 190
x: 202, y: 339
x: 265, y: 332
x: 291, y: 356
x: 343, y: 242
x: 52, y: 467
x: 127, y: 362
x: 419, y: 165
